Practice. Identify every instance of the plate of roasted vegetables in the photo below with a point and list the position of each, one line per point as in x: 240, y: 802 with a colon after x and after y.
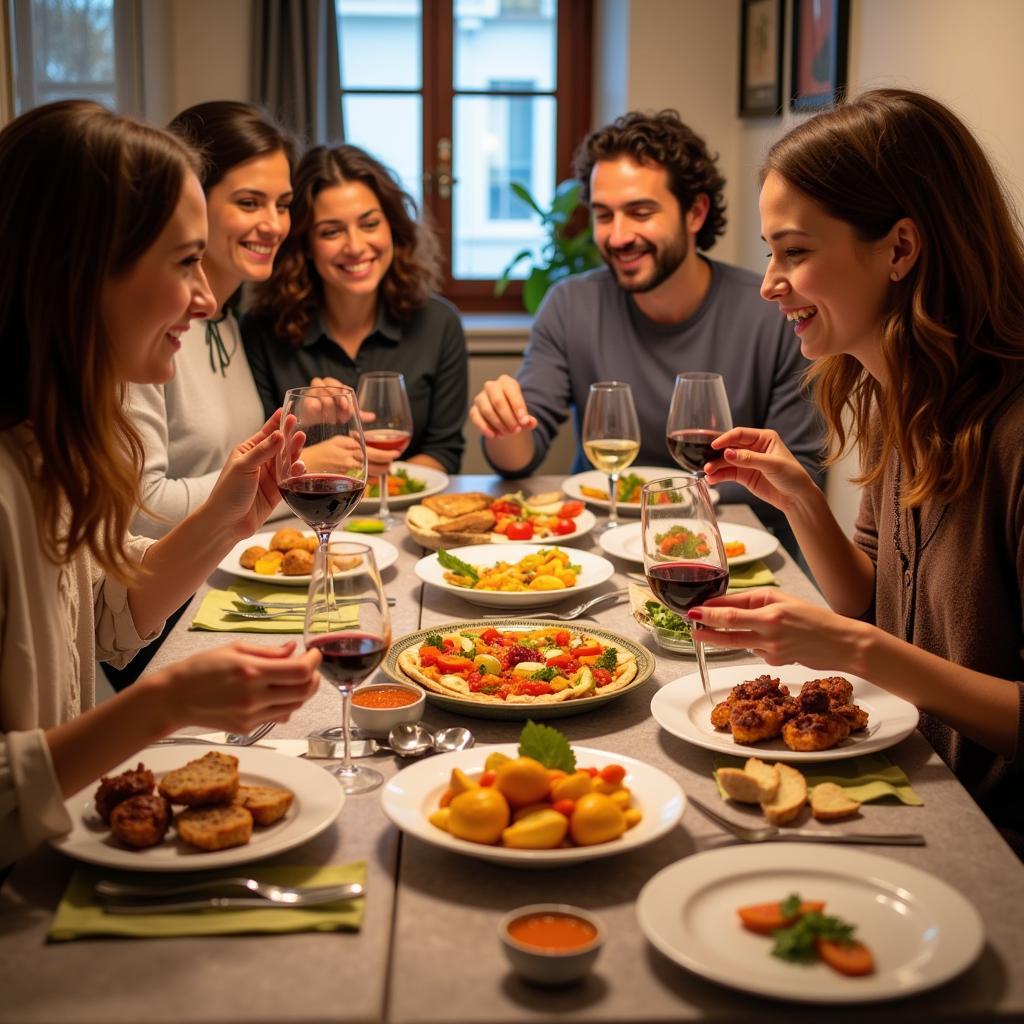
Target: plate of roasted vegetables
x: 408, y: 483
x: 592, y: 487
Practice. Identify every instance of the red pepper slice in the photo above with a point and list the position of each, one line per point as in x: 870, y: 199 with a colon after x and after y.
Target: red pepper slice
x: 490, y: 635
x: 453, y: 663
x: 587, y: 650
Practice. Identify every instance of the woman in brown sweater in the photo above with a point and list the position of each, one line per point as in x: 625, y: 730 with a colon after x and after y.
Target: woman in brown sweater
x: 895, y: 255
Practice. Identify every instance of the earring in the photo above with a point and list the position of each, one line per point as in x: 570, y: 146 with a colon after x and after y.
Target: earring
x: 895, y: 275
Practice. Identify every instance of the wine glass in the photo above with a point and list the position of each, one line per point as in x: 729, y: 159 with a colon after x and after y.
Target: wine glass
x: 347, y: 621
x: 384, y: 395
x: 611, y: 436
x: 698, y: 414
x: 321, y: 471
x: 684, y: 558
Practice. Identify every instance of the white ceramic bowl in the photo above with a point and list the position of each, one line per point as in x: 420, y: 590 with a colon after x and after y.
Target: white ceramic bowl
x: 551, y: 967
x: 378, y: 722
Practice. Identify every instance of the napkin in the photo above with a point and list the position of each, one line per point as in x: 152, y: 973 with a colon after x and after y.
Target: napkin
x: 212, y: 616
x: 80, y: 913
x: 864, y: 778
x: 756, y: 574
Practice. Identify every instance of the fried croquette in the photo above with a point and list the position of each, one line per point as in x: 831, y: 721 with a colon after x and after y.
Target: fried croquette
x: 839, y: 690
x: 250, y: 556
x: 141, y: 821
x: 755, y: 721
x: 759, y: 688
x: 210, y: 779
x: 297, y: 562
x: 813, y: 732
x: 117, y: 788
x: 720, y: 715
x: 286, y: 539
x: 856, y: 717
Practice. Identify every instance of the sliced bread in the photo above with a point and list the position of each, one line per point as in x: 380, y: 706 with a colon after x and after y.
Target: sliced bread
x: 767, y: 776
x: 215, y: 828
x: 829, y: 802
x: 265, y: 803
x: 739, y: 785
x: 210, y: 779
x: 790, y: 798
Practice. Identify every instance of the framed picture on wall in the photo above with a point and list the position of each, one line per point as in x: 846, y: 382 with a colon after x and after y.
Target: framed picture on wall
x: 762, y: 27
x: 820, y: 34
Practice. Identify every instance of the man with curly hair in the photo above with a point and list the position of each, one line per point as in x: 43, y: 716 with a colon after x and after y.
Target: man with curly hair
x: 658, y: 308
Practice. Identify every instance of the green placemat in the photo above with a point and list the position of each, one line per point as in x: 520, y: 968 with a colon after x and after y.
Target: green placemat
x: 80, y: 914
x: 756, y: 574
x: 864, y: 778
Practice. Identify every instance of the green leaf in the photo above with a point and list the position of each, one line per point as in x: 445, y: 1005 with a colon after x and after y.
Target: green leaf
x: 790, y: 906
x: 796, y: 943
x: 608, y: 659
x: 452, y: 564
x: 433, y: 640
x: 535, y: 289
x: 523, y: 194
x: 544, y: 675
x: 546, y: 745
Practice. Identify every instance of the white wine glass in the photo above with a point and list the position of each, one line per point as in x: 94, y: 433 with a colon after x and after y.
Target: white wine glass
x: 684, y: 557
x: 611, y: 436
x: 698, y: 414
x: 347, y: 621
x: 383, y: 395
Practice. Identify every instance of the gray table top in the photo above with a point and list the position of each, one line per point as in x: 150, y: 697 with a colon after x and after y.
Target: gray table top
x: 428, y: 949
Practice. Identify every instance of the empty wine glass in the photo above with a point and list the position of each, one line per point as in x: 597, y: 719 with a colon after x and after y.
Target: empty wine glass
x: 383, y: 394
x: 321, y: 471
x: 698, y: 414
x: 611, y: 436
x: 347, y: 621
x: 684, y: 558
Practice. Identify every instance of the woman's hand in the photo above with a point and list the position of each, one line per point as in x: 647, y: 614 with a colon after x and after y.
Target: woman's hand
x: 759, y: 461
x: 780, y: 629
x: 238, y: 686
x: 246, y: 491
x: 378, y: 461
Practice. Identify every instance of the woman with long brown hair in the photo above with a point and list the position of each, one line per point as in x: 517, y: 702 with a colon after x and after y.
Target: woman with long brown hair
x: 104, y: 227
x: 894, y: 253
x: 353, y: 292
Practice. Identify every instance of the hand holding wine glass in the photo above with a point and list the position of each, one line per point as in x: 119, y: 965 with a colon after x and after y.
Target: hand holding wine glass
x: 684, y: 558
x: 321, y: 471
x: 383, y: 395
x: 611, y: 436
x: 347, y: 621
x: 698, y: 414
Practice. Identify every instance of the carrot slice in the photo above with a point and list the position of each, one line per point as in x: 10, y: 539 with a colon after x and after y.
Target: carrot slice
x: 853, y: 958
x: 765, y: 918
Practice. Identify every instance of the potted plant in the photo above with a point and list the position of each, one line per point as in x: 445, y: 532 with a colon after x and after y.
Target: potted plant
x: 564, y: 252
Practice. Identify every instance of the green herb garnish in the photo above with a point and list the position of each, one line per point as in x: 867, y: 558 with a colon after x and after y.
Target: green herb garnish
x: 544, y: 675
x: 433, y: 640
x: 448, y: 561
x: 546, y: 745
x: 796, y: 943
x: 608, y: 659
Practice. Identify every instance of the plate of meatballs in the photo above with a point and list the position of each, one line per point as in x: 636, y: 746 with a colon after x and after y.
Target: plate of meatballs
x: 286, y: 556
x: 794, y: 713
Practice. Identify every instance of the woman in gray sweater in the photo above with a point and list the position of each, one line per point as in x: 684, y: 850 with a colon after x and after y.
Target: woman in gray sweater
x: 896, y: 257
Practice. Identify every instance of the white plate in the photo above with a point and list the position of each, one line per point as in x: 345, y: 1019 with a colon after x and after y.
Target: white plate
x: 318, y: 801
x: 679, y: 707
x: 921, y: 931
x: 385, y: 554
x: 413, y: 793
x: 435, y: 480
x: 585, y: 522
x: 627, y: 542
x: 595, y: 570
x: 595, y: 478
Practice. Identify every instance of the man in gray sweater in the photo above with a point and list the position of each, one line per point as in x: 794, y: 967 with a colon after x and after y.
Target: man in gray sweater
x: 659, y: 308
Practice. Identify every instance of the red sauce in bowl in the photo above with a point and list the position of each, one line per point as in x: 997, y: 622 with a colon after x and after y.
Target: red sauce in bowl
x: 385, y: 697
x: 552, y: 932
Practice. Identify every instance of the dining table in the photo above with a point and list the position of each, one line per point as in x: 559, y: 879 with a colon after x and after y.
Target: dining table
x: 428, y: 950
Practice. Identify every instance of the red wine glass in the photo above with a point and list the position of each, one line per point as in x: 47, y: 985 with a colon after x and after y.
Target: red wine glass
x: 698, y: 414
x: 684, y: 558
x: 321, y: 471
x: 347, y: 621
x: 384, y: 396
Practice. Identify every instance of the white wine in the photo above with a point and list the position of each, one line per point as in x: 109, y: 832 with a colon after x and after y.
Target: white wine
x: 611, y: 455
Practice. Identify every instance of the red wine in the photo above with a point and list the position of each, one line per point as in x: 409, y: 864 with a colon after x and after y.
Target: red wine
x: 389, y: 440
x: 348, y: 657
x: 322, y: 499
x: 692, y: 448
x: 684, y: 585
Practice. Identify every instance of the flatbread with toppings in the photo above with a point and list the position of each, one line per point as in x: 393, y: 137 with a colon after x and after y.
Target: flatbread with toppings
x: 540, y: 666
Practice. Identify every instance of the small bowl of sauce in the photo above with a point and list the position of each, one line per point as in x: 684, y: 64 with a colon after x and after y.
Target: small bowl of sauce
x: 378, y: 707
x: 551, y: 943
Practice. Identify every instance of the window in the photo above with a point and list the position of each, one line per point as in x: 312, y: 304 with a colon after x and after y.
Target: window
x: 67, y: 49
x: 461, y: 98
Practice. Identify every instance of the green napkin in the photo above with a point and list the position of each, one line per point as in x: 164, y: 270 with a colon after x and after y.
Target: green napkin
x: 80, y: 913
x: 864, y: 778
x: 756, y: 574
x: 212, y: 614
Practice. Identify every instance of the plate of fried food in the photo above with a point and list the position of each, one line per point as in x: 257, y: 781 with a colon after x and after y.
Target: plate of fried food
x: 452, y: 520
x: 192, y: 808
x: 791, y: 713
x: 515, y: 669
x: 286, y: 556
x: 408, y: 482
x: 514, y: 575
x: 592, y: 487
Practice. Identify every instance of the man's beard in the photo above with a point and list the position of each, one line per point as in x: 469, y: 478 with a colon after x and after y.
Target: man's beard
x: 666, y: 262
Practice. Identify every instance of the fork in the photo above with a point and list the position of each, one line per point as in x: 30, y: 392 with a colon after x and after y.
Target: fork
x: 572, y: 613
x: 251, y: 602
x: 232, y: 739
x: 768, y: 833
x: 286, y: 894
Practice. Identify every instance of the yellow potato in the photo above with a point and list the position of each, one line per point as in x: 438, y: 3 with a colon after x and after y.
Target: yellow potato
x: 547, y: 583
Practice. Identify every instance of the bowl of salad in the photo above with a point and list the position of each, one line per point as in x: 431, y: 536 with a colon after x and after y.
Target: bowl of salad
x: 671, y: 631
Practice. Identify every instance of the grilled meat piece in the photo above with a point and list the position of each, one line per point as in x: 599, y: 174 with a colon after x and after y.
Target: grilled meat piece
x: 812, y: 732
x: 118, y: 788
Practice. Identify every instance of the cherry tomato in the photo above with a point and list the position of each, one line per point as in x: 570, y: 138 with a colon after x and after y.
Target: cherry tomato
x: 565, y: 807
x: 490, y: 635
x: 613, y: 773
x: 564, y: 526
x: 506, y: 508
x: 570, y: 510
x: 602, y: 676
x: 519, y: 531
x: 562, y: 638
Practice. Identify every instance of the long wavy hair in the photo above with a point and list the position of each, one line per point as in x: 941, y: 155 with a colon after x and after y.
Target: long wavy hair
x: 294, y: 293
x: 87, y: 192
x: 953, y: 337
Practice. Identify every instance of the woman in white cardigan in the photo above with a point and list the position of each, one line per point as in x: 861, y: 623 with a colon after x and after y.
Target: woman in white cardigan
x: 104, y: 225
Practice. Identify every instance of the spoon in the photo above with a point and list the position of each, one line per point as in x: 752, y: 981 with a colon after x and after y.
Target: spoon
x: 457, y: 737
x: 410, y: 739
